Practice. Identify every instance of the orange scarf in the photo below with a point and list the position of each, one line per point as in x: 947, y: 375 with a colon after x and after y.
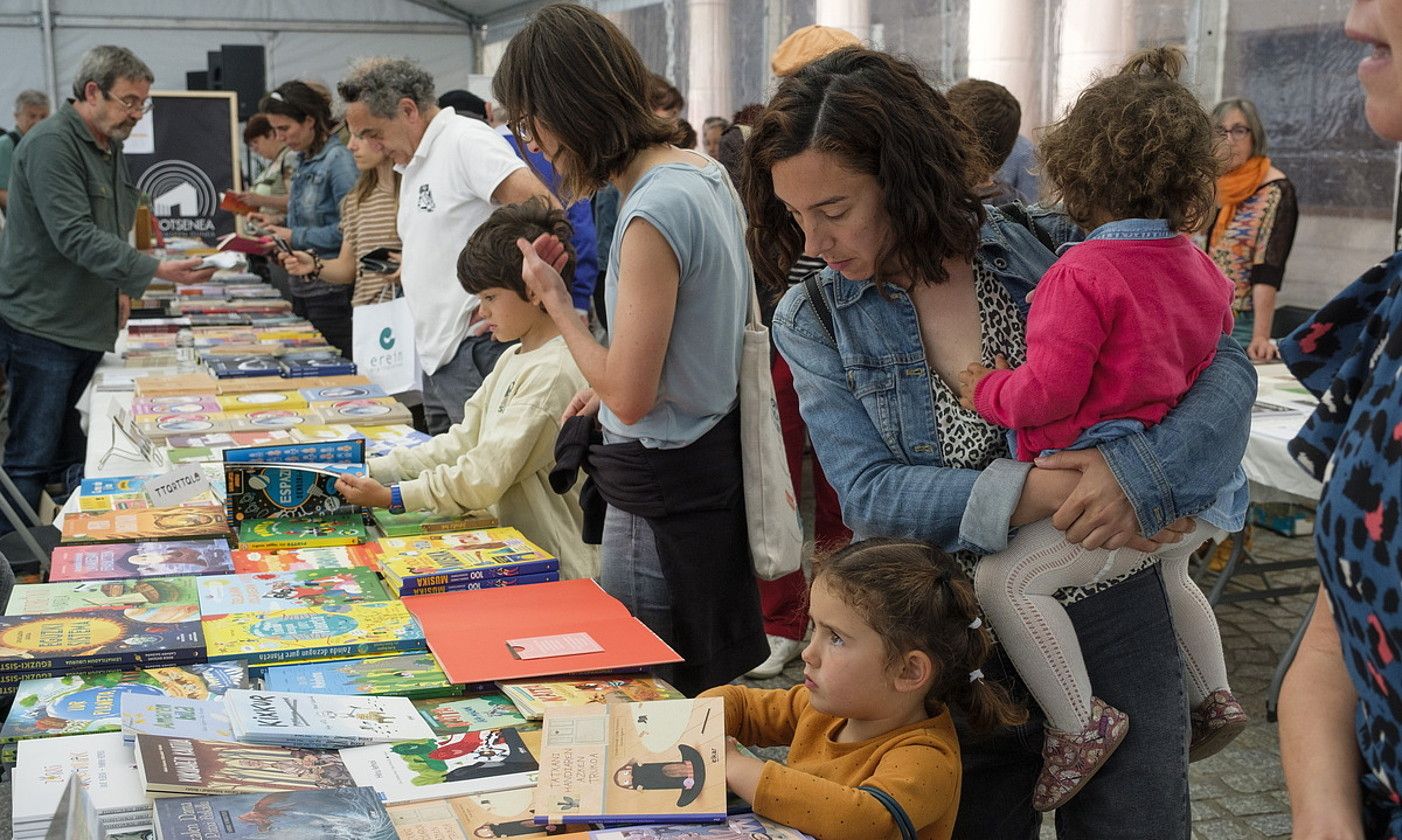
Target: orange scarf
x: 1235, y: 187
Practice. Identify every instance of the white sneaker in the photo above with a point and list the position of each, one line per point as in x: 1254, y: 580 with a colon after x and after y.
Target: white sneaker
x: 782, y: 651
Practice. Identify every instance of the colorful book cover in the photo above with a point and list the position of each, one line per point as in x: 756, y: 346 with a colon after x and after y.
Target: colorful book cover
x: 273, y: 534
x: 338, y: 630
x: 146, y: 524
x: 82, y: 703
x: 381, y: 440
x: 419, y: 522
x: 339, y: 814
x: 271, y: 591
x: 735, y: 827
x: 314, y: 452
x: 534, y: 697
x: 186, y: 765
x: 405, y: 675
x: 191, y: 404
x: 506, y: 813
x: 454, y: 765
x: 140, y: 559
x: 175, y: 717
x: 461, y: 585
x: 101, y: 639
x: 322, y: 721
x: 285, y: 491
x: 379, y: 412
x: 299, y: 559
x: 104, y: 763
x: 341, y: 393
x: 620, y: 763
x: 494, y: 552
x: 113, y: 485
x: 80, y: 595
x: 260, y: 401
x: 490, y: 710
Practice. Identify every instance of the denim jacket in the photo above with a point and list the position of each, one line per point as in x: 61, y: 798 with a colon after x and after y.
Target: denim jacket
x: 314, y: 205
x: 869, y: 406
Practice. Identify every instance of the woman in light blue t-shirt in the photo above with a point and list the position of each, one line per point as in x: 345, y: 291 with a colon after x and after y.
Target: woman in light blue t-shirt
x: 665, y: 389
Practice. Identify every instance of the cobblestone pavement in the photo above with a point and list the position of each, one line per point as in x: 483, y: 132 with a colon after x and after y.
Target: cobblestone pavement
x: 1238, y: 794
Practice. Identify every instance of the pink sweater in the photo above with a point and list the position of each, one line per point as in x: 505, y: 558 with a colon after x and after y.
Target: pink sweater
x: 1119, y: 329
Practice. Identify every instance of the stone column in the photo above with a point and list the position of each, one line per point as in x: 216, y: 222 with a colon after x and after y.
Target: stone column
x: 851, y: 15
x: 708, y: 88
x: 1004, y: 41
x: 1095, y: 37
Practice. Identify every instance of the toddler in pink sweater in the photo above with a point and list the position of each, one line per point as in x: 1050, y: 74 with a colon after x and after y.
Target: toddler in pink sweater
x: 1119, y: 329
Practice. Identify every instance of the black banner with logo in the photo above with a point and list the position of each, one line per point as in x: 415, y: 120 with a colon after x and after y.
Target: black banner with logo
x: 182, y: 156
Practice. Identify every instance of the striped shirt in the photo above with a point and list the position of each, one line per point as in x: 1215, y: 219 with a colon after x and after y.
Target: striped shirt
x: 365, y: 226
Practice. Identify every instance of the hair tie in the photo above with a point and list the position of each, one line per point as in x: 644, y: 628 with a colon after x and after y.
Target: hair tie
x: 976, y: 623
x: 975, y: 675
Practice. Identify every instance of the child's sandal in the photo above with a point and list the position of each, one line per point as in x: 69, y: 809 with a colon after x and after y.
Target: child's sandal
x: 1216, y: 721
x: 1070, y: 759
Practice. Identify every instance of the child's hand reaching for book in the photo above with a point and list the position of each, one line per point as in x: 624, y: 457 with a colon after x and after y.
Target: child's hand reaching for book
x: 971, y: 376
x: 364, y: 491
x: 541, y: 264
x: 741, y: 771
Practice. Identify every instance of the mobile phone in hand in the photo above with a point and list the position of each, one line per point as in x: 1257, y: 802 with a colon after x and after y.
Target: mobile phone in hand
x: 380, y: 261
x: 282, y: 245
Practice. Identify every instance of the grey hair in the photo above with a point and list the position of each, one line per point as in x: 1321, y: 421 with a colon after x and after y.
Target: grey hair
x: 379, y: 84
x: 1253, y: 121
x: 105, y: 65
x: 31, y: 99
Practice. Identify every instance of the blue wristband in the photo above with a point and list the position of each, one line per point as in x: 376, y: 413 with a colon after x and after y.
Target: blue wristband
x: 396, y: 500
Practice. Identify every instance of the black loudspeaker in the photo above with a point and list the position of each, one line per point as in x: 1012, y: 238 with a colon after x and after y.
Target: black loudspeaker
x: 214, y: 69
x: 242, y: 70
x: 197, y: 80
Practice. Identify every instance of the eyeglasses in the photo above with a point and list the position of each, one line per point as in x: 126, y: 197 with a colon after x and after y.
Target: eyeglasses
x: 1236, y: 132
x: 132, y: 104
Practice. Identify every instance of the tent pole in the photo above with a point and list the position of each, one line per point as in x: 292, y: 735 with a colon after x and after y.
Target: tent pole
x: 46, y: 24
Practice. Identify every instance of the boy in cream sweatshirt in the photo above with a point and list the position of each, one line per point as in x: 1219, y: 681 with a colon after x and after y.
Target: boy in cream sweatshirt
x: 499, y: 457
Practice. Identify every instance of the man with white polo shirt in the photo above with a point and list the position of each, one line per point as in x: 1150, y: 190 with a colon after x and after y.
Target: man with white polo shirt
x: 454, y: 169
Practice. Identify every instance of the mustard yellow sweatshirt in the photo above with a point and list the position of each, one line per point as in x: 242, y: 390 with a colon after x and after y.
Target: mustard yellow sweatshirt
x: 816, y: 792
x: 499, y: 457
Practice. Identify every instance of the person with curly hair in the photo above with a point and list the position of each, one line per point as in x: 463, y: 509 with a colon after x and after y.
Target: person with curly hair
x: 1119, y: 330
x: 857, y: 159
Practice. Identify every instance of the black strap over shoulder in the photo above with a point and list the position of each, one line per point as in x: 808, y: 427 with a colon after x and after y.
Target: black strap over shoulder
x: 1017, y: 211
x: 820, y: 305
x: 898, y: 814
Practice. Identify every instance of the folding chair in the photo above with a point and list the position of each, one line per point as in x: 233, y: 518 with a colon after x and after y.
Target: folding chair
x: 26, y: 549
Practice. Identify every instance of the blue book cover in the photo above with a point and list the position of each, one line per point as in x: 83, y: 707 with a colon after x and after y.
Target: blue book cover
x: 315, y: 452
x: 285, y: 491
x: 408, y: 675
x: 340, y: 813
x: 231, y: 367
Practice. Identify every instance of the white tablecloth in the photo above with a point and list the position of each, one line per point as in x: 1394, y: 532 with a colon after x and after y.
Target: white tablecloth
x: 1273, y: 473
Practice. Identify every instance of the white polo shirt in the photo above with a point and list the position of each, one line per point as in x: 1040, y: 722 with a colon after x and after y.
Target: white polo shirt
x: 446, y: 193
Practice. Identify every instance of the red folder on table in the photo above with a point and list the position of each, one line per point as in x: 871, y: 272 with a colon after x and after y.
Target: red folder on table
x: 469, y: 631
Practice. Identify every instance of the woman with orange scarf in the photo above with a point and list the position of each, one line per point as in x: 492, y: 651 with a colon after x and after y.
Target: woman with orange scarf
x: 1250, y: 235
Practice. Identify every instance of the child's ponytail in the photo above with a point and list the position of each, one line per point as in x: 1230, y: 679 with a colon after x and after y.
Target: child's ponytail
x: 1156, y: 62
x: 916, y: 598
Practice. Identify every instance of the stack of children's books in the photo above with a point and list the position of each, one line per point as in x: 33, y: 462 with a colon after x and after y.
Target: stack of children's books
x: 481, y: 559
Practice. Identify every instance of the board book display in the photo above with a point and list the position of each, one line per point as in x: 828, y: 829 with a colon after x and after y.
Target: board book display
x: 83, y: 703
x: 619, y: 763
x: 175, y: 717
x: 301, y: 559
x: 141, y: 559
x: 533, y: 697
x: 322, y: 721
x: 339, y: 814
x: 469, y: 632
x: 189, y: 766
x: 187, y: 522
x: 308, y: 633
x: 505, y: 813
x: 455, y: 765
x: 271, y: 591
x: 319, y: 532
x: 404, y: 675
x: 79, y: 595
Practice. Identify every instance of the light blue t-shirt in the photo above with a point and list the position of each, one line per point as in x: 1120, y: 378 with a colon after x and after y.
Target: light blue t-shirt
x: 696, y: 213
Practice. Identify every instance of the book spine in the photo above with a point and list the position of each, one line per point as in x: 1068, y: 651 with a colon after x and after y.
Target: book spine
x: 327, y: 652
x: 488, y: 583
x: 447, y: 578
x: 15, y: 672
x: 299, y: 542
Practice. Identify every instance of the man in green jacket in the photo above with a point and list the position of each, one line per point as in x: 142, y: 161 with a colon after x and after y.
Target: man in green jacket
x: 67, y: 273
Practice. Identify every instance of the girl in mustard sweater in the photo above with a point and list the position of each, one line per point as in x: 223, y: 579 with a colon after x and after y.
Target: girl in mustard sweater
x: 896, y: 639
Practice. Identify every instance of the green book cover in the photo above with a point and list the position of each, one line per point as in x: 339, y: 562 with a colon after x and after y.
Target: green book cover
x: 77, y: 595
x: 419, y: 522
x: 475, y: 712
x: 270, y: 534
x: 407, y: 675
